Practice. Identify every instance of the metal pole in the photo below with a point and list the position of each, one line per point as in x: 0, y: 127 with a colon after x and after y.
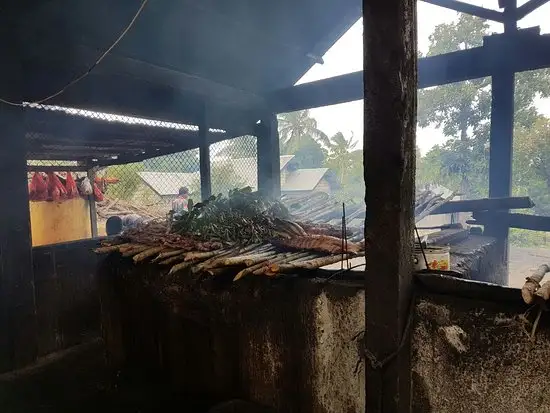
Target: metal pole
x: 204, y: 151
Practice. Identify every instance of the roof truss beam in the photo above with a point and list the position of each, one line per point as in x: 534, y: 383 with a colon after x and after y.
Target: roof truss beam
x: 529, y: 7
x: 467, y: 8
x: 522, y: 51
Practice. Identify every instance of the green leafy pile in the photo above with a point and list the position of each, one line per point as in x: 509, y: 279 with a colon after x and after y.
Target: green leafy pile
x: 243, y: 216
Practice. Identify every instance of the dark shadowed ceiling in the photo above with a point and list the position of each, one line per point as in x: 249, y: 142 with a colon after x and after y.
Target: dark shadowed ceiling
x: 179, y: 56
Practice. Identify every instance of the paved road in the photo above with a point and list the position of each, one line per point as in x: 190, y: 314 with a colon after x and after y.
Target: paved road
x: 523, y: 261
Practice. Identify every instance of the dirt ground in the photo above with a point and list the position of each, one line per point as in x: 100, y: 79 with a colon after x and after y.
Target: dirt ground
x: 523, y: 261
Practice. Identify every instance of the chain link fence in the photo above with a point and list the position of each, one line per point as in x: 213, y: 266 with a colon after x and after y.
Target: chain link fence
x: 234, y: 164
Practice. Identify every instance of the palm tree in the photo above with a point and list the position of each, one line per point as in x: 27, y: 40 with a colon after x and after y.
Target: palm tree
x: 341, y: 154
x: 295, y: 128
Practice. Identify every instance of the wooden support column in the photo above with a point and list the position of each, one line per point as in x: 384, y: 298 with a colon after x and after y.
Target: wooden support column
x: 501, y: 139
x: 92, y: 203
x: 390, y: 84
x: 500, y: 158
x: 269, y: 159
x: 204, y: 158
x: 18, y: 334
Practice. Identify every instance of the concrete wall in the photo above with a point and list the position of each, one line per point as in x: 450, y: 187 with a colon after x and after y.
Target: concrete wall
x: 296, y: 344
x: 66, y: 295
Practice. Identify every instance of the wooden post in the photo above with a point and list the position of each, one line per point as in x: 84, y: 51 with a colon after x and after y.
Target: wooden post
x: 269, y: 159
x: 501, y: 141
x: 92, y: 203
x: 18, y: 334
x: 204, y: 158
x: 390, y: 83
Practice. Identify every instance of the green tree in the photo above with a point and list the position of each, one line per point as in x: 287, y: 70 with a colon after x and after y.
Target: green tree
x: 310, y: 154
x: 297, y: 127
x: 463, y: 111
x: 340, y: 155
x: 241, y: 147
x: 129, y: 180
x: 532, y: 163
x: 187, y: 161
x: 223, y: 179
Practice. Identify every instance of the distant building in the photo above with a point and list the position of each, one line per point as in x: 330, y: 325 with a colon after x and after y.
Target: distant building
x: 294, y: 181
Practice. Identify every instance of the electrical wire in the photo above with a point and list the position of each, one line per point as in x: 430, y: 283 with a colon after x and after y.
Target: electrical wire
x: 87, y: 72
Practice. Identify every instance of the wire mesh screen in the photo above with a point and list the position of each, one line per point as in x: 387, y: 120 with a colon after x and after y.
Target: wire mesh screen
x: 148, y: 188
x: 234, y: 164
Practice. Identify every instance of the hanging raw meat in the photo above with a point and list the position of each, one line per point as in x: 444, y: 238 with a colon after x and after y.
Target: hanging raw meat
x: 55, y: 188
x: 98, y: 195
x: 38, y: 188
x: 70, y: 186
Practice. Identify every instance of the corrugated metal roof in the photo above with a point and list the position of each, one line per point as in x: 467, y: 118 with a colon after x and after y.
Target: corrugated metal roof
x: 303, y: 179
x: 169, y: 183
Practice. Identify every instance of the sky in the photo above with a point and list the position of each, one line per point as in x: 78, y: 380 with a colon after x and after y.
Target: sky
x: 346, y: 56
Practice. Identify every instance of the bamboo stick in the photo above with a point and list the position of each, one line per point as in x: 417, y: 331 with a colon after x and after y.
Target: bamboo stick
x: 133, y: 251
x: 232, y: 261
x: 532, y: 283
x: 213, y: 262
x: 179, y: 267
x: 265, y: 263
x: 544, y: 291
x: 289, y: 258
x: 167, y: 254
x: 253, y: 261
x: 305, y: 265
x: 173, y: 260
x: 110, y: 248
x: 129, y: 247
x: 150, y: 252
x: 194, y: 256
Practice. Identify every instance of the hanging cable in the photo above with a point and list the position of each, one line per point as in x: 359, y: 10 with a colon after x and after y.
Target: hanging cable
x: 92, y: 67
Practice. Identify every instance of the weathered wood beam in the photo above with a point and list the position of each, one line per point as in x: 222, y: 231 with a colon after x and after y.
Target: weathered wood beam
x: 513, y: 220
x: 60, y: 168
x: 500, y: 153
x: 529, y: 7
x: 390, y: 89
x: 471, y: 205
x: 522, y: 51
x: 124, y: 95
x: 18, y: 337
x: 467, y: 8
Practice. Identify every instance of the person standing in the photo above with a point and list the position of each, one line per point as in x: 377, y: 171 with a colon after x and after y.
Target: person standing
x: 181, y: 203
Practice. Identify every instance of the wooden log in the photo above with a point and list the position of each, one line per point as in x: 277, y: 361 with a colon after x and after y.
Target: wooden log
x: 532, y: 284
x: 485, y: 204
